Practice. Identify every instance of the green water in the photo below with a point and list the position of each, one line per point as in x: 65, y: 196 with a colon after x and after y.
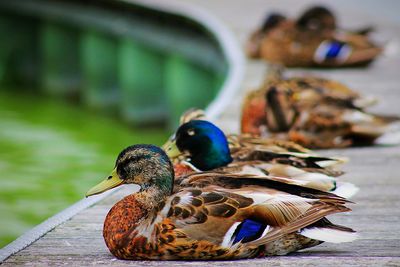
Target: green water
x: 51, y: 153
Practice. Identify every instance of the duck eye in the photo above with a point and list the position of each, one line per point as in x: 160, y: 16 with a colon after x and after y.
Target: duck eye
x: 191, y: 132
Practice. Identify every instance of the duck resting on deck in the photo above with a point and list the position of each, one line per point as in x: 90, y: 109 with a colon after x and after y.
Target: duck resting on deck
x: 315, y: 112
x: 199, y: 145
x: 313, y: 40
x: 212, y: 215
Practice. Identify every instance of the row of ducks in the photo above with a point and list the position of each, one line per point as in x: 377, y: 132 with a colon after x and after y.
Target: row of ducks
x: 206, y: 195
x: 312, y: 111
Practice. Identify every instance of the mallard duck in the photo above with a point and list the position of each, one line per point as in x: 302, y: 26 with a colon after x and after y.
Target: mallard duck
x: 314, y: 112
x: 199, y: 145
x: 244, y: 140
x: 211, y: 216
x: 311, y: 40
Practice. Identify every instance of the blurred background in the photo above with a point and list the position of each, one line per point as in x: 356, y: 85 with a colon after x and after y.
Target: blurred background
x: 80, y: 80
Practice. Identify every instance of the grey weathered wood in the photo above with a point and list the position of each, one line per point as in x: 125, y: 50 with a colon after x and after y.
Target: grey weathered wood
x: 376, y: 170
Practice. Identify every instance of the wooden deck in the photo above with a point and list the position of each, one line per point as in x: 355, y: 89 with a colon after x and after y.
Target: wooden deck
x: 376, y: 170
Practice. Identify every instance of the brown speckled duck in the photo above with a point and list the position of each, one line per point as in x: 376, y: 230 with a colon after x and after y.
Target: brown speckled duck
x: 211, y: 216
x: 316, y: 113
x: 311, y: 40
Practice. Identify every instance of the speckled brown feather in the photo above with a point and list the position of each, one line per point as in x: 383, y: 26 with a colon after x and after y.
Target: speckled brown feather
x: 237, y: 142
x: 124, y: 242
x: 181, y: 169
x: 119, y: 227
x: 327, y: 126
x: 167, y: 241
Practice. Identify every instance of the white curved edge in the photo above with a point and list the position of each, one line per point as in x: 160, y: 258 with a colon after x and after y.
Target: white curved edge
x: 230, y: 87
x: 229, y: 44
x: 38, y: 231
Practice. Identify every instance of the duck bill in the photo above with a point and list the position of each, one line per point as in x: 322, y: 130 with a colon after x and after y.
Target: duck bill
x: 110, y: 182
x: 171, y: 149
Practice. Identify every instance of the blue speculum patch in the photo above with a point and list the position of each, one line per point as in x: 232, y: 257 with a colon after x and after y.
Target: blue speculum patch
x: 334, y: 49
x: 249, y: 230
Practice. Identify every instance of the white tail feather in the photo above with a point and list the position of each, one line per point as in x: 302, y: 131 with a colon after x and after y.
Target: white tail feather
x: 329, y: 235
x: 313, y: 176
x: 391, y: 136
x: 365, y: 101
x: 228, y: 238
x: 346, y: 190
x: 332, y: 162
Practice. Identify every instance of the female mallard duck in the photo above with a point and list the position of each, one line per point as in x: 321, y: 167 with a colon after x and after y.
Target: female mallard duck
x: 314, y: 112
x: 212, y: 215
x: 312, y: 40
x: 199, y: 145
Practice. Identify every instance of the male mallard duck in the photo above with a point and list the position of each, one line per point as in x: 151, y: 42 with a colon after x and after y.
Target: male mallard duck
x: 312, y: 40
x: 246, y: 140
x: 314, y: 112
x: 213, y: 215
x: 199, y: 145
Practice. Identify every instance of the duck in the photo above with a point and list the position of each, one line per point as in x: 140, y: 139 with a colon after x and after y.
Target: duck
x: 200, y: 145
x: 243, y: 140
x: 315, y: 112
x: 212, y: 215
x: 313, y: 40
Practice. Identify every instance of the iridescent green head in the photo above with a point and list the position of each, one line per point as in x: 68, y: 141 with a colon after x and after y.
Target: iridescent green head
x: 205, y: 143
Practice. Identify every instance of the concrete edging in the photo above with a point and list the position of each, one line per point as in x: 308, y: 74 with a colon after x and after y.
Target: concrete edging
x: 225, y: 37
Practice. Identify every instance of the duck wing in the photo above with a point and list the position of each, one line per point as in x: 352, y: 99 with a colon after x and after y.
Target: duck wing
x: 247, y: 210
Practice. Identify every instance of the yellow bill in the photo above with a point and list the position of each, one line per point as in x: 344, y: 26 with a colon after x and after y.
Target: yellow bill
x: 112, y: 181
x: 171, y: 149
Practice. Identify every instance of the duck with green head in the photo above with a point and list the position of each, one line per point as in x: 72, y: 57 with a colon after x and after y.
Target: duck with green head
x: 199, y: 145
x: 214, y: 215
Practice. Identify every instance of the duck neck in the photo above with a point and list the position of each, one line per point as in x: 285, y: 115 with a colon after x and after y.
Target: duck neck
x: 152, y: 199
x: 153, y: 195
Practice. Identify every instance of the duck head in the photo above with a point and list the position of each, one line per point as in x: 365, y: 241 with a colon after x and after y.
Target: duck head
x: 204, y: 143
x: 317, y: 18
x: 271, y: 21
x: 144, y: 165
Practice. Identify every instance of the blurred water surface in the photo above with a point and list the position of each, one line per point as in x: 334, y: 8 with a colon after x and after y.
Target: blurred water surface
x: 51, y: 153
